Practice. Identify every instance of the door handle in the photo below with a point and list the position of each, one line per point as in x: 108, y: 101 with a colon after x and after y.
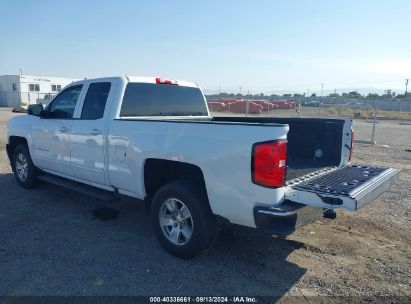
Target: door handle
x: 95, y: 132
x: 64, y: 130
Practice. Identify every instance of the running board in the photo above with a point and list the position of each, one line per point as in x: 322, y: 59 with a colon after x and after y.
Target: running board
x: 96, y: 193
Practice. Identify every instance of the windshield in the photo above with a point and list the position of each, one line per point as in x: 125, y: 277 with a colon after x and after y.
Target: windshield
x: 148, y: 99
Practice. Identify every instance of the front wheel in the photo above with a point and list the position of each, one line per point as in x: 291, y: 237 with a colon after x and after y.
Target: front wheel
x: 23, y: 167
x: 182, y: 219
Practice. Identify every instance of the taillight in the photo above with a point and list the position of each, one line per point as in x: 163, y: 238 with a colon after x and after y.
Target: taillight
x: 166, y: 81
x: 268, y: 164
x: 352, y: 145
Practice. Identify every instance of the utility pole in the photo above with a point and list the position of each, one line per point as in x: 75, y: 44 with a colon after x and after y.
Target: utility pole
x: 322, y: 99
x: 240, y: 88
x: 406, y: 88
x: 247, y: 104
x: 219, y: 90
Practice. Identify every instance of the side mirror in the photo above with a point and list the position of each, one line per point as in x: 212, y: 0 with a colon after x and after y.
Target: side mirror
x: 36, y: 110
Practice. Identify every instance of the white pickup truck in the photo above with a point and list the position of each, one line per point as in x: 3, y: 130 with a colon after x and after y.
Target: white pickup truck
x: 153, y: 139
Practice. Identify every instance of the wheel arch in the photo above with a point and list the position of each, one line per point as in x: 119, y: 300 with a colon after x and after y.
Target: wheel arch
x: 158, y: 172
x: 13, y: 143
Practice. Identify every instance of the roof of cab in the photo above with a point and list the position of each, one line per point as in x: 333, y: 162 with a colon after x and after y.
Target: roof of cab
x: 137, y: 79
x: 148, y: 79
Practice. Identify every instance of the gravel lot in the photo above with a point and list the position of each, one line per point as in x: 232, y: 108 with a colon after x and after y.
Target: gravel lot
x: 52, y: 244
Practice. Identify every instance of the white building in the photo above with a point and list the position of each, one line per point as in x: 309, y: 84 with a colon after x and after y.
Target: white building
x: 22, y: 90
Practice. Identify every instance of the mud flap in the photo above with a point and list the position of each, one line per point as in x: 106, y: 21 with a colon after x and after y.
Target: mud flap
x: 350, y: 187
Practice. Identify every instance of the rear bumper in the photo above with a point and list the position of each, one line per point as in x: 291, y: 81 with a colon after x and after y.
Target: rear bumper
x: 287, y: 218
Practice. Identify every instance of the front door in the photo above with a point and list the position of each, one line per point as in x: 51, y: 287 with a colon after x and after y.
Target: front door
x: 87, y: 135
x: 51, y: 135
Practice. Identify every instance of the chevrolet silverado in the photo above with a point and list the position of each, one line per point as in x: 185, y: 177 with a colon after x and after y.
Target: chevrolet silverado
x: 153, y: 139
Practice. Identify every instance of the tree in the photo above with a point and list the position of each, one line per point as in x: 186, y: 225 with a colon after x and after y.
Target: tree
x: 334, y: 95
x: 353, y: 95
x: 402, y: 96
x: 372, y: 96
x: 388, y: 94
x: 273, y: 97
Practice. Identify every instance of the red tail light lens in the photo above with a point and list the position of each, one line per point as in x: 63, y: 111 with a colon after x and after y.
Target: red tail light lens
x: 268, y: 165
x: 166, y: 81
x: 352, y: 145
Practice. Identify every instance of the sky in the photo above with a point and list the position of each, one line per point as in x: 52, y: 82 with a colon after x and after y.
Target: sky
x: 256, y: 46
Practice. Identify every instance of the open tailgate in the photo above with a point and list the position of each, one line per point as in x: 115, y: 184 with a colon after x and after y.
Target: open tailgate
x: 350, y: 187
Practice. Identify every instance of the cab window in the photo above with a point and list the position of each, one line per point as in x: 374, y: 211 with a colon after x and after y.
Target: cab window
x: 148, y: 99
x: 95, y: 101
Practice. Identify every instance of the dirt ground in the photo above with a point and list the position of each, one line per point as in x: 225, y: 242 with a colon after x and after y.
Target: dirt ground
x: 52, y: 244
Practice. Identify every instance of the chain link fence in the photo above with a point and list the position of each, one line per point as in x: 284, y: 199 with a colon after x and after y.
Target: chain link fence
x: 368, y: 115
x: 17, y: 99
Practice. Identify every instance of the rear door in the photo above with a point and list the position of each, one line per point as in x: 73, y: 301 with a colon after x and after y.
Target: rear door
x: 87, y: 139
x: 350, y: 187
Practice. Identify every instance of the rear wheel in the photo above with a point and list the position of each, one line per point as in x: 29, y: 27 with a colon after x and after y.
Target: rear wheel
x: 182, y: 219
x: 23, y: 167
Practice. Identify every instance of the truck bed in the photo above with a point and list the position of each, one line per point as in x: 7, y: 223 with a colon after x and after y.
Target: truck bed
x: 300, y: 168
x: 306, y: 136
x: 313, y: 144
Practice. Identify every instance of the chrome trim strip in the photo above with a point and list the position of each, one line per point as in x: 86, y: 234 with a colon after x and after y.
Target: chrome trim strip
x: 375, y: 187
x: 374, y: 182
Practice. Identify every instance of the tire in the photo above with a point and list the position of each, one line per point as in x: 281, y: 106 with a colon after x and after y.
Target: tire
x: 172, y: 228
x: 23, y: 167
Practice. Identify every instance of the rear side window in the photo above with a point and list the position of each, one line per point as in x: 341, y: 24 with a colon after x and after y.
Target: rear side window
x: 95, y: 101
x: 148, y: 99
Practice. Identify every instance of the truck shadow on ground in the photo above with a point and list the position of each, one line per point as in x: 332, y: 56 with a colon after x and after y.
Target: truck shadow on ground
x: 52, y: 235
